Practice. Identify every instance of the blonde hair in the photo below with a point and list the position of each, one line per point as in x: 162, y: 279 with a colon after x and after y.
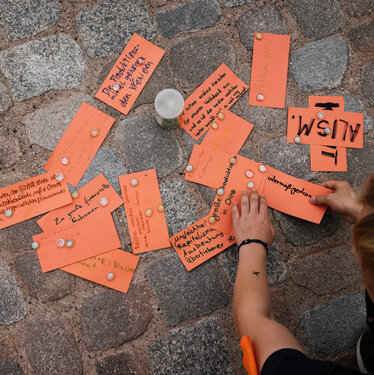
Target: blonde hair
x: 363, y: 235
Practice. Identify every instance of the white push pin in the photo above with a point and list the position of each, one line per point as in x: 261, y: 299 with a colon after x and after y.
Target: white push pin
x: 110, y: 276
x: 148, y: 212
x: 35, y: 246
x: 94, y: 132
x: 140, y: 61
x: 327, y: 130
x: 60, y: 242
x: 160, y: 208
x: 59, y: 177
x: 250, y: 185
x: 233, y: 160
x: 262, y: 168
x: 297, y: 139
x: 103, y: 201
x: 134, y: 182
x: 189, y: 168
x: 116, y: 87
x: 64, y: 161
x: 69, y: 243
x: 260, y: 97
x: 214, y: 126
x: 320, y: 115
x: 75, y: 194
x: 220, y: 191
x: 220, y: 116
x: 212, y: 220
x: 9, y: 213
x: 249, y: 173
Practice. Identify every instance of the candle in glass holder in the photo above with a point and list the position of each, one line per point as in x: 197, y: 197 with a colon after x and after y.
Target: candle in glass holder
x: 169, y: 105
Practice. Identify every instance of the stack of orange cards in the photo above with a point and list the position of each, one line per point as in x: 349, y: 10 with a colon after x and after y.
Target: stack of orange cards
x: 328, y: 129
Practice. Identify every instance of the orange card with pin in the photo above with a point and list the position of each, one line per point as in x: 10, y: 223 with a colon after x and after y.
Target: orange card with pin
x: 114, y: 269
x: 227, y: 133
x: 93, y: 199
x: 32, y: 197
x: 328, y: 158
x: 144, y: 211
x: 219, y: 91
x: 198, y: 243
x: 79, y: 144
x: 269, y: 70
x: 129, y: 74
x: 72, y: 243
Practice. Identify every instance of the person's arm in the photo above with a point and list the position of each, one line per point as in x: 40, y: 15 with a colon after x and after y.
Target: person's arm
x: 252, y: 307
x: 342, y: 201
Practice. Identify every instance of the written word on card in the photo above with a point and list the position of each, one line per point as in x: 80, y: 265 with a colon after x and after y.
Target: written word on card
x: 130, y: 73
x: 93, y: 199
x: 325, y: 123
x: 198, y: 243
x: 32, y: 197
x: 114, y: 269
x: 79, y: 144
x: 328, y: 158
x: 70, y: 244
x: 227, y: 134
x: 219, y: 91
x: 144, y: 211
x: 269, y: 70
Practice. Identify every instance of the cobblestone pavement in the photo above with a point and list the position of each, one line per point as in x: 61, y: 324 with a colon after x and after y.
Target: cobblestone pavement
x: 54, y: 54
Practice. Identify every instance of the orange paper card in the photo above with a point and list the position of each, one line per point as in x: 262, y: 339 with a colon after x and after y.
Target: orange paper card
x: 227, y: 135
x: 144, y: 211
x: 219, y: 91
x: 269, y: 70
x: 79, y: 144
x: 31, y: 197
x: 130, y: 73
x: 91, y: 237
x: 334, y: 128
x: 117, y: 263
x: 94, y: 198
x: 328, y: 158
x: 198, y: 243
x: 291, y: 195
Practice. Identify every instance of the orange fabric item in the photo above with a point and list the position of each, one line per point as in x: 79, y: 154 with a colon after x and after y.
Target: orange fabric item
x: 249, y: 359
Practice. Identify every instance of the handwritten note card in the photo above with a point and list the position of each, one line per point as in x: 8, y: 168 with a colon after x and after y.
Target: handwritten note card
x: 31, y: 197
x: 324, y: 126
x: 79, y: 144
x: 227, y: 134
x: 144, y: 211
x: 269, y: 70
x: 94, y: 198
x: 328, y: 158
x: 117, y: 265
x: 219, y: 91
x: 198, y: 243
x: 130, y: 73
x: 90, y: 237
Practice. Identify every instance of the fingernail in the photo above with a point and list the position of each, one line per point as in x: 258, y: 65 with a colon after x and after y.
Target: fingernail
x: 312, y: 199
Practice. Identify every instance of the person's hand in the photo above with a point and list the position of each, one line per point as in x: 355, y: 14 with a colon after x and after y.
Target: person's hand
x: 342, y: 201
x: 254, y: 221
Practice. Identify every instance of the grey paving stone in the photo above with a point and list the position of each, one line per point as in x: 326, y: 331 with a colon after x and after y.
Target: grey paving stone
x: 146, y: 146
x: 235, y: 3
x: 317, y: 18
x: 5, y: 99
x: 12, y: 306
x: 204, y: 55
x: 362, y: 40
x: 46, y: 125
x: 275, y: 268
x: 191, y: 16
x: 106, y: 28
x: 207, y: 193
x: 158, y: 3
x: 180, y: 210
x: 10, y: 150
x: 160, y: 79
x: 320, y: 64
x: 49, y: 344
x: 335, y: 326
x: 302, y: 233
x: 184, y: 295
x: 126, y: 317
x: 289, y: 158
x: 327, y: 271
x: 17, y: 238
x: 8, y: 358
x: 357, y: 7
x: 21, y: 19
x: 353, y: 104
x: 121, y: 364
x: 46, y: 287
x: 368, y: 81
x: 267, y: 19
x: 51, y: 63
x: 199, y: 349
x: 108, y: 162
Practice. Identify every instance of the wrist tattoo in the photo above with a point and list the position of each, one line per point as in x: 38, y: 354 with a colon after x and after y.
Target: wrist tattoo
x: 256, y: 273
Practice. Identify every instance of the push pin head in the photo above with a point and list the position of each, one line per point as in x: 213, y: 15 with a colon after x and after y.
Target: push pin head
x: 75, y: 194
x: 297, y: 139
x: 35, y: 246
x: 220, y: 191
x: 214, y: 126
x: 260, y: 97
x: 134, y: 182
x: 250, y: 185
x: 59, y: 177
x: 103, y: 201
x: 140, y: 61
x: 320, y: 115
x: 110, y: 276
x: 249, y: 173
x: 220, y: 116
x: 9, y: 213
x: 94, y: 132
x: 69, y: 243
x: 148, y: 212
x: 160, y: 208
x: 327, y: 131
x: 60, y: 242
x: 116, y: 87
x: 259, y: 36
x: 189, y: 168
x: 211, y: 220
x: 64, y: 161
x: 233, y: 160
x: 262, y: 168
